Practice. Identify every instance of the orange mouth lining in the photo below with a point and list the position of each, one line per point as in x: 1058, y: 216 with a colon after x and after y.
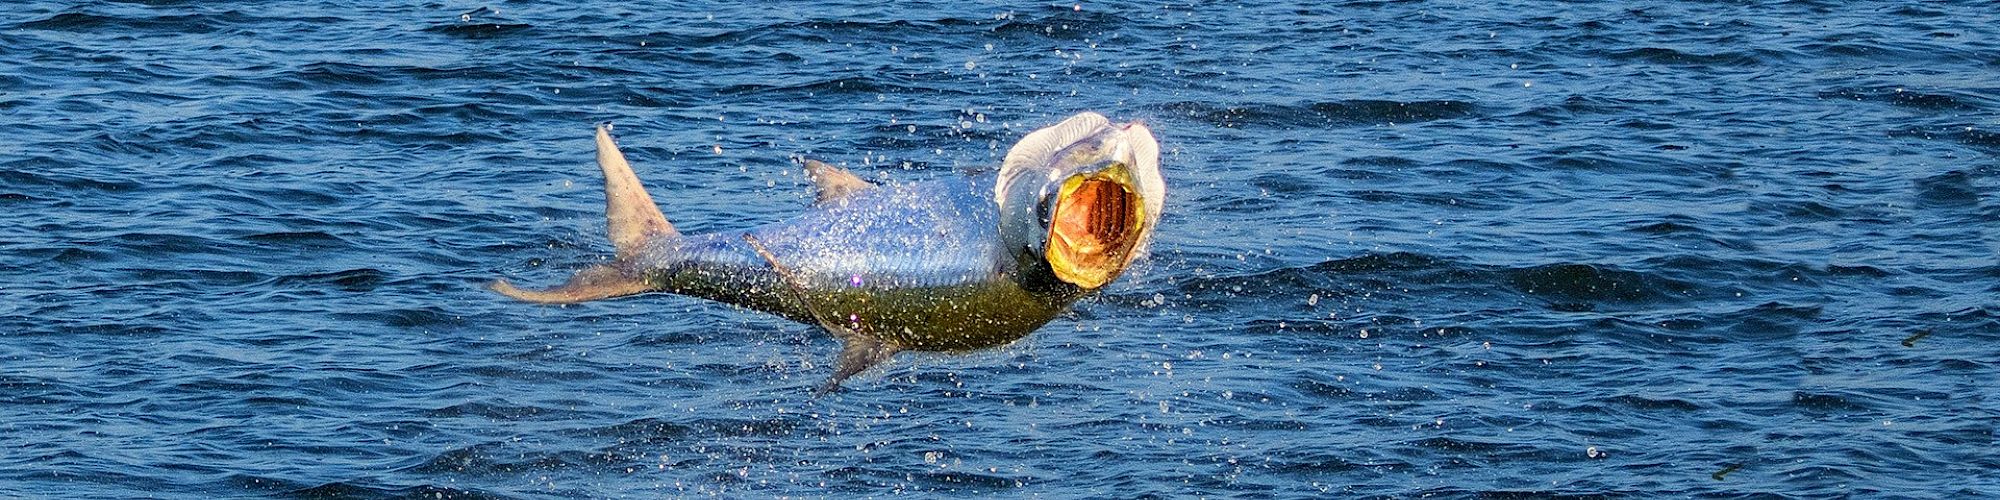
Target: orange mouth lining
x: 1095, y: 227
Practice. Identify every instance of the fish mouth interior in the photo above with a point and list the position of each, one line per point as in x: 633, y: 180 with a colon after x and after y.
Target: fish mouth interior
x: 1094, y: 227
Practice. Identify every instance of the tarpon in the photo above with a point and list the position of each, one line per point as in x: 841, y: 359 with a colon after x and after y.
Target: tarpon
x: 969, y: 261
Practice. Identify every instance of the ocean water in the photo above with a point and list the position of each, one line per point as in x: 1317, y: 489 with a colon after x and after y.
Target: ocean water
x: 1411, y: 249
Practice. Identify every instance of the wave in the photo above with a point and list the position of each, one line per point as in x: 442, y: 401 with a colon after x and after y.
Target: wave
x: 1409, y: 273
x: 482, y: 30
x: 1931, y: 101
x: 1058, y: 23
x: 1678, y: 57
x: 344, y: 489
x: 1053, y: 23
x: 1320, y: 114
x: 859, y: 85
x: 84, y: 22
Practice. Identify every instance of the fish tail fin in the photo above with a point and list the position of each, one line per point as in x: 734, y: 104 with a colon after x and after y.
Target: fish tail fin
x: 631, y: 217
x: 602, y: 281
x: 631, y: 220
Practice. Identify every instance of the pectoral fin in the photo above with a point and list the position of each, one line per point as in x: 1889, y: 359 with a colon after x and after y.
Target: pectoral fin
x: 858, y: 353
x: 834, y: 182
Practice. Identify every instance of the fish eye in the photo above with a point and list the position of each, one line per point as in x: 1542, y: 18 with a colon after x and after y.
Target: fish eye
x: 1043, y: 210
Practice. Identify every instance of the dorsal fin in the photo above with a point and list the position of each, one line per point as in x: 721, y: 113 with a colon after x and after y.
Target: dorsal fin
x: 631, y: 216
x: 833, y: 182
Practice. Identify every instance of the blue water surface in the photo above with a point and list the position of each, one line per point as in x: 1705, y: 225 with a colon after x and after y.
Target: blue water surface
x: 1411, y: 248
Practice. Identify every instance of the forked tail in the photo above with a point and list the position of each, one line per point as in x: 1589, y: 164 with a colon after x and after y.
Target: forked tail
x: 632, y: 220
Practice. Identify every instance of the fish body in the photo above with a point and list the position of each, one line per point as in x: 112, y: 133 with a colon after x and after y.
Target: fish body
x: 919, y: 265
x: 964, y: 262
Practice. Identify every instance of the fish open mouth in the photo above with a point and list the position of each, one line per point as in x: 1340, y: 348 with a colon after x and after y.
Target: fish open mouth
x: 1094, y: 227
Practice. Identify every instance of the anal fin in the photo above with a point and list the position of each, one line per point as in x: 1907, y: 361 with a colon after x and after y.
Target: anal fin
x: 833, y: 182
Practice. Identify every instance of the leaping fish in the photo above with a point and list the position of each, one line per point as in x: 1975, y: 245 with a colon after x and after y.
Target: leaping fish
x: 965, y: 262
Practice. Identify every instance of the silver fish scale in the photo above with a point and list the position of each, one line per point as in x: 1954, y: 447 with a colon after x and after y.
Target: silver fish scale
x: 939, y: 233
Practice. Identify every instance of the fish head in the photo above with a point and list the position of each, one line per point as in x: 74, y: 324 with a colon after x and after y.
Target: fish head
x: 1082, y: 196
